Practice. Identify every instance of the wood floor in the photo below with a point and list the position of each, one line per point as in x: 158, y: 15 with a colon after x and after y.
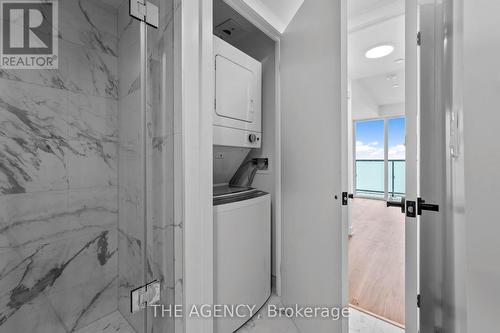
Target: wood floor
x: 376, y: 259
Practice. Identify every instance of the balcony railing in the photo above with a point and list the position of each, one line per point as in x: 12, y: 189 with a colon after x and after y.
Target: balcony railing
x: 370, y: 177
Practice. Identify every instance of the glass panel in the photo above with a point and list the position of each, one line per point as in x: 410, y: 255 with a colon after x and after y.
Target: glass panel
x: 131, y: 236
x: 370, y: 158
x: 396, y: 160
x: 162, y: 230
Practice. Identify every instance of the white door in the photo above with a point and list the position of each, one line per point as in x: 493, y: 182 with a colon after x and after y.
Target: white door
x: 426, y: 167
x: 432, y: 163
x: 310, y: 77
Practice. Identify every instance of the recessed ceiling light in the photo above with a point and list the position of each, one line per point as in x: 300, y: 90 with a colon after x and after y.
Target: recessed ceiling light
x: 395, y: 85
x: 379, y: 51
x: 399, y: 61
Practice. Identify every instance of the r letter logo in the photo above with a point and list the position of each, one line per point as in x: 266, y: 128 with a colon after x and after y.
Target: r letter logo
x: 29, y: 34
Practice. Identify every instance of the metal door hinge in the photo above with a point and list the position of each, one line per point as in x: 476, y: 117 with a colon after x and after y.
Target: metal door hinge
x: 419, y: 38
x: 418, y: 301
x: 144, y: 296
x: 145, y: 11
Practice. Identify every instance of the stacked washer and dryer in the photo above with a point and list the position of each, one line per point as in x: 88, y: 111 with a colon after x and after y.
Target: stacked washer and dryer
x: 242, y: 214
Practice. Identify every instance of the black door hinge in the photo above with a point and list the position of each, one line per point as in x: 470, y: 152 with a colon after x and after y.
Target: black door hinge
x: 419, y: 38
x: 418, y: 301
x: 345, y: 198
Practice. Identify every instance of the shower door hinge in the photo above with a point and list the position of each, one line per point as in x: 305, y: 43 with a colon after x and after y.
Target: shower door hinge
x: 418, y: 301
x: 145, y: 11
x: 144, y: 296
x: 419, y: 38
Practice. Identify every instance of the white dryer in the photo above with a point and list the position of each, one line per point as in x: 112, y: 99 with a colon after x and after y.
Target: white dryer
x: 242, y: 251
x: 237, y: 116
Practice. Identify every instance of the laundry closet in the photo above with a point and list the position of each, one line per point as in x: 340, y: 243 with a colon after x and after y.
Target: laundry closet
x: 244, y: 163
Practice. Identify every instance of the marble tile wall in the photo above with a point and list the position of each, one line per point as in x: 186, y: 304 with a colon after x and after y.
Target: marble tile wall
x: 71, y: 213
x: 59, y: 179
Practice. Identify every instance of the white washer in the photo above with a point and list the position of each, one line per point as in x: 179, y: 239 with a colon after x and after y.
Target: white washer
x: 242, y: 252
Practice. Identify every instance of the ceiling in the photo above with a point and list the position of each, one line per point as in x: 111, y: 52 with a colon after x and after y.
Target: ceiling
x: 382, y: 90
x: 360, y: 7
x: 284, y: 10
x: 372, y: 23
x: 278, y: 13
x: 391, y: 31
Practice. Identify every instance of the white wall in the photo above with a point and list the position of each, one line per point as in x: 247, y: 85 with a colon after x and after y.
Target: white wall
x: 392, y: 110
x: 311, y: 148
x: 362, y: 104
x: 482, y: 162
x: 266, y: 180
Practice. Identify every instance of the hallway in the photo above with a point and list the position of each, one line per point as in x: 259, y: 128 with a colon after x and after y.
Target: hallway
x: 376, y: 260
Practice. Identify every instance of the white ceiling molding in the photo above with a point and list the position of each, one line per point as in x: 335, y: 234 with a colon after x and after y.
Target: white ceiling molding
x: 275, y: 15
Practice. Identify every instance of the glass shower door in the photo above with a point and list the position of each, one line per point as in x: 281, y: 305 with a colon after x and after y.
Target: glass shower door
x: 153, y: 109
x: 163, y: 230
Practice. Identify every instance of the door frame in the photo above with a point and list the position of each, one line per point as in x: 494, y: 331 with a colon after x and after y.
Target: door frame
x: 197, y: 138
x: 411, y: 108
x: 258, y: 21
x: 194, y: 176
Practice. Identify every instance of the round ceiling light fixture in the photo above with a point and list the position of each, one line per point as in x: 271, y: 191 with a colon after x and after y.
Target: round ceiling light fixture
x: 379, y: 51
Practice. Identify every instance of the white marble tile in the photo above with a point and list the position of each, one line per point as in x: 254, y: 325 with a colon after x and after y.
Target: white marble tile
x: 112, y: 323
x: 384, y: 327
x: 90, y: 72
x: 32, y: 111
x: 49, y: 78
x: 261, y: 323
x: 81, y: 305
x: 360, y: 322
x: 89, y: 23
x: 31, y: 218
x: 35, y: 315
x: 92, y: 118
x: 81, y: 69
x: 96, y: 207
x: 70, y: 277
x: 92, y: 163
x: 32, y: 165
x: 65, y: 238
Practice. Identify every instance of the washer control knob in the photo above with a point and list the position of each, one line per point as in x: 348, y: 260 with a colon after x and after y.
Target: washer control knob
x: 252, y: 138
